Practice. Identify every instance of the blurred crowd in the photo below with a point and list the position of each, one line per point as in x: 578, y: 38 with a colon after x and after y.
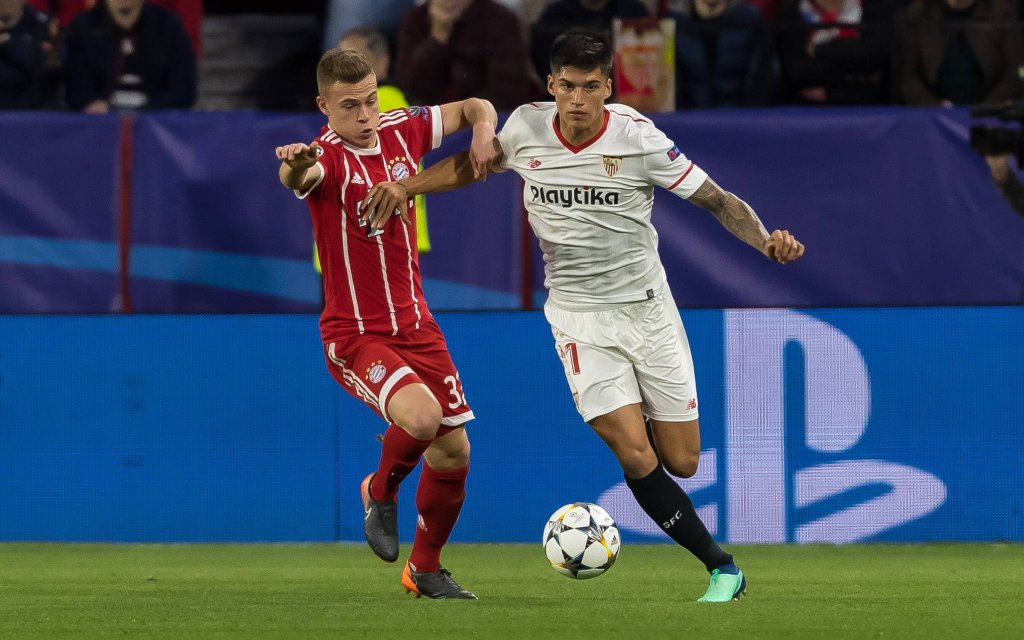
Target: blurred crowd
x: 102, y: 55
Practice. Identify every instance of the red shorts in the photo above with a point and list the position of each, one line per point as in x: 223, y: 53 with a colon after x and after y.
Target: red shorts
x: 373, y: 367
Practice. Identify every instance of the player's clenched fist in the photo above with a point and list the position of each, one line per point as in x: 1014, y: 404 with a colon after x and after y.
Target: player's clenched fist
x: 783, y: 247
x: 299, y: 155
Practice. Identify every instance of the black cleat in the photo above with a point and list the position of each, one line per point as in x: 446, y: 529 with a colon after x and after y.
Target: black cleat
x: 438, y: 585
x: 380, y: 523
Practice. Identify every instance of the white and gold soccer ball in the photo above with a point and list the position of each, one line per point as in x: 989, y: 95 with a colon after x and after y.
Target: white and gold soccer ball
x: 581, y: 540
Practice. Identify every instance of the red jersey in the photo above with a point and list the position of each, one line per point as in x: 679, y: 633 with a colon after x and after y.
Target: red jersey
x: 371, y: 285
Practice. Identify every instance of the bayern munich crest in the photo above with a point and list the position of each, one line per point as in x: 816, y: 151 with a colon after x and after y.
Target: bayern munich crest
x: 399, y: 169
x: 612, y: 165
x: 376, y: 372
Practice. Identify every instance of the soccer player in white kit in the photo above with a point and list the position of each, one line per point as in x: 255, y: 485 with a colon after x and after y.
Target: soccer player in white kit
x: 590, y: 170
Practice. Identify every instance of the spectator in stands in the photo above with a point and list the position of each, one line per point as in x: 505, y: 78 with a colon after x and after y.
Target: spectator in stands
x: 345, y: 15
x: 128, y: 55
x: 562, y: 15
x: 769, y: 8
x: 63, y: 11
x: 835, y: 52
x: 190, y: 12
x: 383, y: 15
x: 723, y: 55
x: 960, y: 52
x: 28, y: 57
x: 451, y: 50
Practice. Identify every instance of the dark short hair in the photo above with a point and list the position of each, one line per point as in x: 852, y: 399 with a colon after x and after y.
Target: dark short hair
x: 341, y: 65
x: 579, y: 49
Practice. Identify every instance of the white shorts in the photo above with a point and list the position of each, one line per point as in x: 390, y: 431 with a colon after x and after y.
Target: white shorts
x: 627, y: 355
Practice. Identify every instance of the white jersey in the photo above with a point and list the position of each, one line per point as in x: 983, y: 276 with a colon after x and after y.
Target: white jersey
x: 590, y: 205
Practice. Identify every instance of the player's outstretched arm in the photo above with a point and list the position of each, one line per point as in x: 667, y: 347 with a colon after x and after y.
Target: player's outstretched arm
x: 386, y: 199
x: 479, y: 114
x: 297, y: 165
x: 737, y: 216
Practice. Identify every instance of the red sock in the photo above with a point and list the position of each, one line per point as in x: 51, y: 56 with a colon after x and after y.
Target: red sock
x: 439, y: 499
x: 399, y: 457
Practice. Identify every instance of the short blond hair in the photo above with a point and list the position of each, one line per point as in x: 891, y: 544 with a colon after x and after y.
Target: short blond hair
x: 341, y: 65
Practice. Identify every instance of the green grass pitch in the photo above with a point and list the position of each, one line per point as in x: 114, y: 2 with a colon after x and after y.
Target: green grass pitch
x: 190, y: 592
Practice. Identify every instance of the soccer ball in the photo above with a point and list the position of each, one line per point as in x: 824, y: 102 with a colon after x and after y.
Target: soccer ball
x: 581, y: 540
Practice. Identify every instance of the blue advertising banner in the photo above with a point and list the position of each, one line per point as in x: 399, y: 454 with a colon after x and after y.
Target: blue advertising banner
x: 833, y: 425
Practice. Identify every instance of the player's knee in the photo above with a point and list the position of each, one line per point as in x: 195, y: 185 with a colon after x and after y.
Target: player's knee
x: 638, y: 463
x: 682, y: 466
x: 421, y: 421
x: 448, y: 452
x: 456, y: 459
x: 460, y: 457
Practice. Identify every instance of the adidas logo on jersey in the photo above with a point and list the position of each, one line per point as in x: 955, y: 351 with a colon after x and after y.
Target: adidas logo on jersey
x: 578, y: 195
x: 357, y: 179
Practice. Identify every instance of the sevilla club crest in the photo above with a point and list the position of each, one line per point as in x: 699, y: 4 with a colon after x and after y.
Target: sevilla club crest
x: 612, y: 165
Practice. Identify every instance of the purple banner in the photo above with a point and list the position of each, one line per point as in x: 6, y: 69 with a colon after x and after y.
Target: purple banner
x: 58, y: 213
x: 476, y: 240
x: 893, y: 206
x: 212, y: 227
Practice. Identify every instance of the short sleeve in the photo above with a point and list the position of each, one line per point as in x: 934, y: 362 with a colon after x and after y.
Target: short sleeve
x: 667, y: 166
x: 509, y: 138
x: 421, y: 128
x: 436, y: 127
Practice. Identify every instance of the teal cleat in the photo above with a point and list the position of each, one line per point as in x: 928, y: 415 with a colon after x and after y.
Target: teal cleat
x: 727, y: 583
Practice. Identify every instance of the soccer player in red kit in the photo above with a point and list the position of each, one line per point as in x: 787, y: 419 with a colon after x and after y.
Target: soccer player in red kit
x: 381, y: 342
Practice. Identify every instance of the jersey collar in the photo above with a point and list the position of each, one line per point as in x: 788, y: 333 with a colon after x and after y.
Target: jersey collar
x: 586, y: 143
x: 359, y: 151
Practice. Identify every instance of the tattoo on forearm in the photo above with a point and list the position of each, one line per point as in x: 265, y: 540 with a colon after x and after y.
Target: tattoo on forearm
x: 734, y: 214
